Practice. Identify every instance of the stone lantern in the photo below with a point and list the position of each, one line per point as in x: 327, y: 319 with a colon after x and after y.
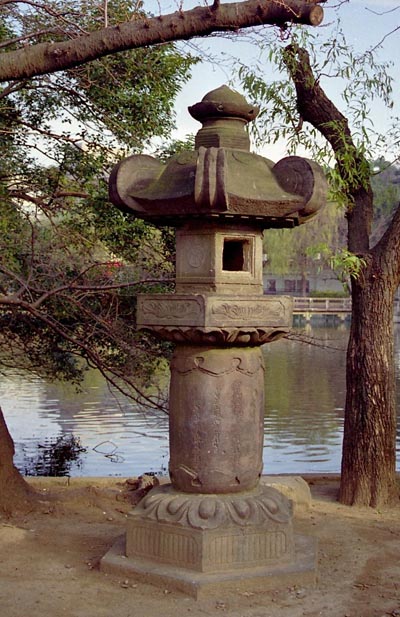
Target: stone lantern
x: 215, y: 525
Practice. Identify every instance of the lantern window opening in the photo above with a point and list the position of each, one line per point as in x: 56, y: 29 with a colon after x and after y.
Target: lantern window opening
x: 236, y: 255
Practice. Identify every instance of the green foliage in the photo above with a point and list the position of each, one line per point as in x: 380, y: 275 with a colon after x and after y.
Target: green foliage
x: 13, y: 231
x: 152, y: 78
x: 117, y: 103
x: 316, y: 251
x: 71, y: 264
x: 305, y: 249
x: 169, y: 148
x: 311, y: 248
x: 347, y: 265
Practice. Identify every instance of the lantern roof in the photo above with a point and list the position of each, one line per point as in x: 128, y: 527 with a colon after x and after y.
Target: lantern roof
x: 220, y: 179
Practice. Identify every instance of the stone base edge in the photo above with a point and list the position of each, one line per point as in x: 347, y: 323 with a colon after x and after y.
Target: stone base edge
x: 302, y: 571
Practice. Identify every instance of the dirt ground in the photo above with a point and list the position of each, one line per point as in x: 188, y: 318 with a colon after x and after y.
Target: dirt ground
x: 49, y: 563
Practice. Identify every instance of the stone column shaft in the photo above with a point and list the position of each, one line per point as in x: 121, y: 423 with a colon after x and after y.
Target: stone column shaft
x: 216, y: 419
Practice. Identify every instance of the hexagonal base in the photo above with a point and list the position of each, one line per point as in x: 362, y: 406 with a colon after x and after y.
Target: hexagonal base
x: 301, y: 571
x: 210, y: 550
x: 214, y: 532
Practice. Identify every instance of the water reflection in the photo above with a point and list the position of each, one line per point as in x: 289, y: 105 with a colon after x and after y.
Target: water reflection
x: 118, y: 438
x: 305, y: 393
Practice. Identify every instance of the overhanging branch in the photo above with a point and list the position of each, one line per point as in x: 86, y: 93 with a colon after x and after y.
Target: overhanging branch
x: 46, y: 58
x: 316, y: 108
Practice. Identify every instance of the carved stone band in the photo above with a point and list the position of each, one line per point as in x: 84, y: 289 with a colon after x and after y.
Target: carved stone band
x: 248, y: 337
x: 262, y: 507
x: 215, y: 311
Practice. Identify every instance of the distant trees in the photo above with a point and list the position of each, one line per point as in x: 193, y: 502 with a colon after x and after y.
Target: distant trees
x: 319, y: 247
x: 307, y: 250
x: 385, y: 182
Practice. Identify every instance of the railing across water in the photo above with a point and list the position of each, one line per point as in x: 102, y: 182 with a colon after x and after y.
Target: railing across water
x: 331, y: 306
x: 322, y: 305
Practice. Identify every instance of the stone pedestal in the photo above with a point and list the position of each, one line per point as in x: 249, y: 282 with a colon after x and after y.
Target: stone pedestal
x: 212, y: 533
x: 202, y: 544
x: 214, y: 528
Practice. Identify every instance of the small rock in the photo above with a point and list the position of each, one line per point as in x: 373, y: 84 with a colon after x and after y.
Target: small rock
x: 247, y: 594
x: 124, y: 584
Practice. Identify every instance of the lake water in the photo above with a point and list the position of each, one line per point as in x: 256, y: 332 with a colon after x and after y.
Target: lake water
x: 305, y: 393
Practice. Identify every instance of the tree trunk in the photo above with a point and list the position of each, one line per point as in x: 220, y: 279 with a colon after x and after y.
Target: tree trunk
x: 369, y: 444
x: 15, y: 492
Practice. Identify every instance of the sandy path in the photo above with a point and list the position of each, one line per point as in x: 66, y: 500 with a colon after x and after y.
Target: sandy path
x: 49, y: 564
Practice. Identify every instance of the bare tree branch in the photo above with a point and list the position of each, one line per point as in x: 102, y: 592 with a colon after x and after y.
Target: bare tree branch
x: 117, y: 378
x: 32, y: 35
x: 396, y: 8
x: 384, y: 38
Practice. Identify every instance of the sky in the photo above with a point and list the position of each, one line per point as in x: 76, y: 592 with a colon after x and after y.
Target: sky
x: 365, y: 24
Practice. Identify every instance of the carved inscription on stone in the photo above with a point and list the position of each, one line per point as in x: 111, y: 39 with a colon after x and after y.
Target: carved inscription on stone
x: 215, y: 441
x: 203, y: 311
x: 169, y: 310
x: 248, y: 312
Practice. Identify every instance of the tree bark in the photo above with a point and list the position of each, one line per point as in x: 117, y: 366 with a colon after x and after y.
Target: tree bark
x: 46, y: 58
x: 15, y: 492
x: 369, y: 444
